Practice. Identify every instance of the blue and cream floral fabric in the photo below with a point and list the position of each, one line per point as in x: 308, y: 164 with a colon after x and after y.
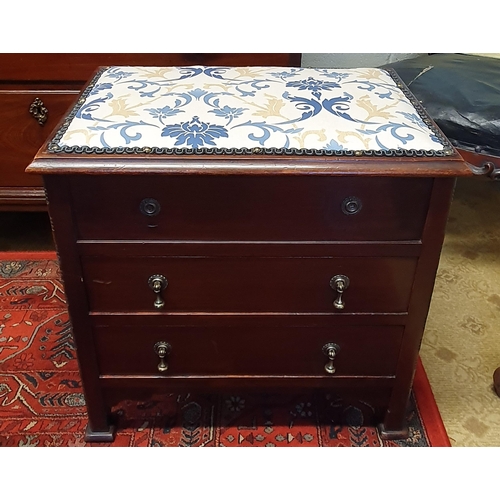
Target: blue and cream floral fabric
x: 248, y: 107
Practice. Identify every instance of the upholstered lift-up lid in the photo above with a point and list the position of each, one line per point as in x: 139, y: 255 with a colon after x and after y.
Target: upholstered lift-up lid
x: 243, y: 112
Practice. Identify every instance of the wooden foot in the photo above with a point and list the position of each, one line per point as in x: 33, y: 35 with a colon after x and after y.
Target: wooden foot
x: 107, y: 436
x: 393, y: 434
x: 496, y: 380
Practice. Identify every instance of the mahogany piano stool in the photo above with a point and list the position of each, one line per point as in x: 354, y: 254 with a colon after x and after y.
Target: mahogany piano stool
x: 248, y: 228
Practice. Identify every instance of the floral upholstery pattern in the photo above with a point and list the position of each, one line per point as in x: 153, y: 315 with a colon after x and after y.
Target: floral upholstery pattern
x: 244, y: 108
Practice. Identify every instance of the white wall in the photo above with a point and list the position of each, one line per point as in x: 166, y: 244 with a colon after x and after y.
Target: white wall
x: 485, y: 54
x: 351, y: 60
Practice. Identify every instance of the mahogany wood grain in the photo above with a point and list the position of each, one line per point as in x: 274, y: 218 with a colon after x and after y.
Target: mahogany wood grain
x: 248, y: 351
x: 256, y: 208
x: 249, y: 165
x: 240, y: 284
x: 22, y: 199
x: 425, y: 276
x: 365, y: 388
x: 242, y: 319
x: 20, y: 133
x: 116, y: 337
x: 194, y: 248
x: 116, y: 287
x: 100, y: 427
x: 71, y: 67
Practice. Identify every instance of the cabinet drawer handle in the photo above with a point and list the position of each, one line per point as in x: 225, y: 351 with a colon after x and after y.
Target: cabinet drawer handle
x: 157, y: 283
x: 340, y: 284
x: 150, y: 207
x: 351, y: 205
x: 162, y: 349
x: 38, y: 111
x: 330, y: 350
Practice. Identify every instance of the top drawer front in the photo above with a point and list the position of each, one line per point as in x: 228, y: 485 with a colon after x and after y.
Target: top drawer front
x: 250, y: 208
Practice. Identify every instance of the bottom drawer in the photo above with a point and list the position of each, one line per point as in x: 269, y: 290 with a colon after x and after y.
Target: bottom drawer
x: 293, y: 351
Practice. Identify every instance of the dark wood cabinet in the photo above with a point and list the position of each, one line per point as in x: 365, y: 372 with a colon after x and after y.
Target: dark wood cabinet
x: 20, y: 138
x: 228, y: 268
x: 56, y: 80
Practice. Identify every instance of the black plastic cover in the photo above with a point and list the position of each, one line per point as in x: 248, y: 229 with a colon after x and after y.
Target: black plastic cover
x: 461, y: 93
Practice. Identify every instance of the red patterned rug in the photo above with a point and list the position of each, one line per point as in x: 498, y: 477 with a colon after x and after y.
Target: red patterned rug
x: 41, y: 400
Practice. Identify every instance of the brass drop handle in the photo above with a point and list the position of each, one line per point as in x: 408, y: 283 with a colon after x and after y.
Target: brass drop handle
x: 330, y: 350
x: 340, y: 284
x: 158, y: 283
x: 39, y: 111
x: 162, y: 349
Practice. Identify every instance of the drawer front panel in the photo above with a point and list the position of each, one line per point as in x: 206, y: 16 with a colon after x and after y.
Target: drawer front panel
x: 233, y: 284
x: 251, y: 208
x: 361, y: 350
x: 21, y: 135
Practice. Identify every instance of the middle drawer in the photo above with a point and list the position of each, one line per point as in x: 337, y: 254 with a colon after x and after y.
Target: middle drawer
x: 248, y: 284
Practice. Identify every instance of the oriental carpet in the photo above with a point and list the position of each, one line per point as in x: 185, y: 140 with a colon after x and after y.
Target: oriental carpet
x: 42, y: 403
